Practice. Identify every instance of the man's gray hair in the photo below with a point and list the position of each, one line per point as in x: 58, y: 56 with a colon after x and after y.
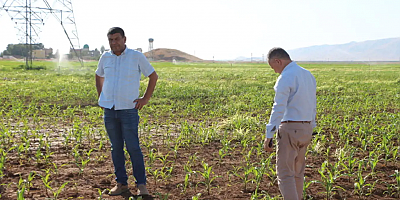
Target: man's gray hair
x: 279, y: 53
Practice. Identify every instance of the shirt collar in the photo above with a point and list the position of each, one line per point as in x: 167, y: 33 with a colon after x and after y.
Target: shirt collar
x: 287, y: 68
x: 123, y: 53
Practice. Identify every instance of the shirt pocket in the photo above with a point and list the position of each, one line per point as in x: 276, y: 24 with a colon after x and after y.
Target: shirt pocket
x: 132, y: 66
x: 109, y: 68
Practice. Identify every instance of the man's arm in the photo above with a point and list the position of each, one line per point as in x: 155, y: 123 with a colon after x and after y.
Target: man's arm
x: 282, y: 91
x: 99, y: 84
x: 153, y: 77
x: 313, y: 121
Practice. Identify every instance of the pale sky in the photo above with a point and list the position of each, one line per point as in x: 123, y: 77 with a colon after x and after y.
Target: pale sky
x: 225, y: 29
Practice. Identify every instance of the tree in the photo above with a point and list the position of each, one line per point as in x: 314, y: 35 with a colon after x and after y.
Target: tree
x: 102, y: 49
x: 20, y: 49
x: 51, y: 55
x: 6, y: 53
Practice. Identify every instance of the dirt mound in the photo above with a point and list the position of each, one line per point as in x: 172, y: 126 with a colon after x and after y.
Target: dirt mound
x: 170, y: 54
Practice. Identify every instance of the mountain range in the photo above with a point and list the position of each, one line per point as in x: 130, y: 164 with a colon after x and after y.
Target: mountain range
x: 371, y: 50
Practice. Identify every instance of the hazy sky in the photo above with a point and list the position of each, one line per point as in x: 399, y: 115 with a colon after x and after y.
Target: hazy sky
x: 225, y: 29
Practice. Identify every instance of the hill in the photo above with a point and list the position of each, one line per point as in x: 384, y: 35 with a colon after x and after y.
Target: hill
x: 170, y: 54
x: 371, y: 50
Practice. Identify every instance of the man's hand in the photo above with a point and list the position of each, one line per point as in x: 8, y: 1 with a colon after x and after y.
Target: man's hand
x: 140, y: 103
x: 268, y: 145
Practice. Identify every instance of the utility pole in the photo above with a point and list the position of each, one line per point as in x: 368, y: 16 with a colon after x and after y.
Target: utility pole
x: 29, y: 17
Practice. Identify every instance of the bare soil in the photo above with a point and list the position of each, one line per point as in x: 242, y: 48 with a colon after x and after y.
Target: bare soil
x: 98, y: 175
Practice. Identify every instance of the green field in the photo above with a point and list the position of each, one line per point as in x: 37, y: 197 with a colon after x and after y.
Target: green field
x: 201, y: 133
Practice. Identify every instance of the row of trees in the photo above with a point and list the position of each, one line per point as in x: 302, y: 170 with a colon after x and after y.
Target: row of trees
x: 20, y: 49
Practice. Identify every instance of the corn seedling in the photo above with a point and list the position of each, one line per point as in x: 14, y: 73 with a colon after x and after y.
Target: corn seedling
x: 208, y: 177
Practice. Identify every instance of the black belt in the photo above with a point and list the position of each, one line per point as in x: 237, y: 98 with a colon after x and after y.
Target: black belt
x: 303, y: 122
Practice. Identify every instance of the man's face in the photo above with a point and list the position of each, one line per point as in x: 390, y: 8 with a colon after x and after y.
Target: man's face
x: 117, y: 43
x: 275, y: 64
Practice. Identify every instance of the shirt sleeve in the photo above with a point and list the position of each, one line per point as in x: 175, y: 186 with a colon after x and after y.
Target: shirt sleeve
x: 313, y: 121
x: 145, y: 66
x: 100, y: 67
x: 282, y: 91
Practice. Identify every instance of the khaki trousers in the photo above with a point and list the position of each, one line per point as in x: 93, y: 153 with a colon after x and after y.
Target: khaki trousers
x: 293, y: 139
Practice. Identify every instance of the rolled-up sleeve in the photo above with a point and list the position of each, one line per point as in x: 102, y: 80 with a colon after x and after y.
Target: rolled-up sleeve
x: 145, y: 66
x: 100, y: 67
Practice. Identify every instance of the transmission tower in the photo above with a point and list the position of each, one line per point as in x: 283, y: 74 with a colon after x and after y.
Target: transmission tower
x: 29, y: 16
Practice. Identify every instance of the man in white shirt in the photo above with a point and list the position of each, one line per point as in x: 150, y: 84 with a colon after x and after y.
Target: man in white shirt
x: 117, y: 81
x: 293, y: 117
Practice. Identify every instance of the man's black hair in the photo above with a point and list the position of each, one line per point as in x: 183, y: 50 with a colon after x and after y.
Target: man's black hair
x: 115, y: 30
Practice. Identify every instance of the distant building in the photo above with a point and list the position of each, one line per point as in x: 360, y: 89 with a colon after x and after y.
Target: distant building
x: 85, y: 52
x: 42, y: 53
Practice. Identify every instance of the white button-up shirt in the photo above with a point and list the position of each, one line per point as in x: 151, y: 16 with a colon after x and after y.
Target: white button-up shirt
x: 122, y: 78
x: 295, y: 98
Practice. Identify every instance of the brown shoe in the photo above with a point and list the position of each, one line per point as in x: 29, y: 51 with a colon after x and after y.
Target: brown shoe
x: 142, y: 190
x: 118, y: 189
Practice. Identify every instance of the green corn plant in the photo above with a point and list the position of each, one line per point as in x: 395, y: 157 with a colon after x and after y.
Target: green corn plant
x: 221, y: 153
x: 306, y: 185
x: 166, y: 172
x: 155, y: 173
x: 258, y: 174
x: 20, y: 151
x: 247, y: 171
x: 360, y: 184
x: 270, y: 168
x: 27, y: 145
x: 373, y: 160
x: 193, y: 158
x: 351, y: 164
x: 38, y: 155
x: 207, y: 175
x: 176, y: 149
x: 3, y: 156
x: 197, y: 197
x: 395, y: 154
x: 255, y: 196
x: 152, y: 157
x: 21, y: 189
x: 327, y: 153
x: 245, y: 144
x: 56, y: 168
x: 248, y: 168
x: 189, y: 172
x: 397, y: 182
x: 386, y: 149
x: 46, y: 182
x: 260, y: 150
x: 46, y: 157
x: 81, y: 164
x: 185, y: 184
x: 31, y: 176
x: 58, y: 191
x: 328, y: 177
x: 396, y: 186
x: 101, y: 193
x: 162, y: 196
x: 164, y: 160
